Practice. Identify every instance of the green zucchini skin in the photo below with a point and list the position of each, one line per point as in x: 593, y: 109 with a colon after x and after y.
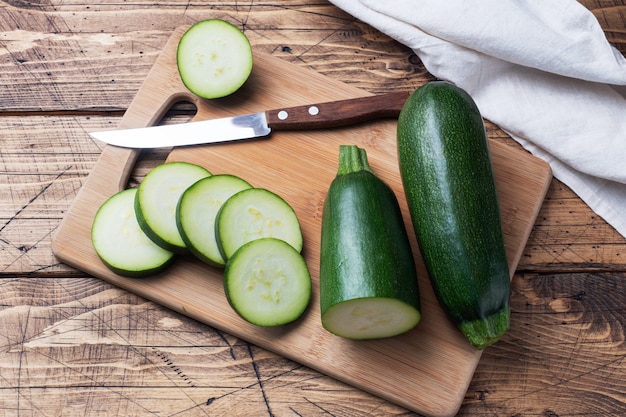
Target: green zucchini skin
x: 365, y: 249
x: 448, y: 180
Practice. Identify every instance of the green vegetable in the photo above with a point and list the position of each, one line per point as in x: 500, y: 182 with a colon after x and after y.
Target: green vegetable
x: 251, y: 232
x: 197, y: 211
x: 253, y: 214
x: 121, y: 244
x: 267, y: 282
x: 214, y: 58
x: 448, y: 180
x: 368, y: 282
x: 157, y: 199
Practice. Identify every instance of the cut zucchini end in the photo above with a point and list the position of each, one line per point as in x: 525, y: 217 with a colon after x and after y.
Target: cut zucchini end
x: 487, y: 331
x: 121, y: 244
x: 267, y: 282
x: 370, y: 318
x: 214, y: 58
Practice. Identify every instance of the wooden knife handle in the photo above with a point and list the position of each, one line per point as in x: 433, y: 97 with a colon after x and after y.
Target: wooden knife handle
x: 337, y: 113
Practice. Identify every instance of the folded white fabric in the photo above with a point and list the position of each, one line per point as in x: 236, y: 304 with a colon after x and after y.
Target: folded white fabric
x: 543, y: 71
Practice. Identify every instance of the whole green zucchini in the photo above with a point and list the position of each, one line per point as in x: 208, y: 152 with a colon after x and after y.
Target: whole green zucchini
x: 448, y: 180
x: 368, y: 281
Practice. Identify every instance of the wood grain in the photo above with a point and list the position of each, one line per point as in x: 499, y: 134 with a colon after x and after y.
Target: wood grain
x: 578, y: 316
x: 72, y: 67
x: 442, y: 361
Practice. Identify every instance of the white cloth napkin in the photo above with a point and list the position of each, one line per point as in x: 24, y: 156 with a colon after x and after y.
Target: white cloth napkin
x: 541, y: 70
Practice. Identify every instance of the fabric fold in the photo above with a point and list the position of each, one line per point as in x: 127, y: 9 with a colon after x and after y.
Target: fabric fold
x: 559, y: 36
x: 542, y: 71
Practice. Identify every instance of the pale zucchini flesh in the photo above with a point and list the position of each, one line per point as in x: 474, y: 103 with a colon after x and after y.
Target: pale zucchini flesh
x: 197, y: 211
x: 370, y: 318
x: 267, y: 282
x: 157, y: 199
x: 253, y: 214
x: 214, y: 58
x: 121, y: 244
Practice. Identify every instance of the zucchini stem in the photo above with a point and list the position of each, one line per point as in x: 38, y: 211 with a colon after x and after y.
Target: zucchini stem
x: 352, y: 159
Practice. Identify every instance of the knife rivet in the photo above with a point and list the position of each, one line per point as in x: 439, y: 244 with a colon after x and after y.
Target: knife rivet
x: 314, y: 110
x: 282, y: 115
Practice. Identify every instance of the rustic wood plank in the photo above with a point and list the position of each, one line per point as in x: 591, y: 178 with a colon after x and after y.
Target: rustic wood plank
x: 73, y: 339
x: 83, y: 338
x: 367, y: 59
x: 433, y: 348
x: 575, y: 316
x: 46, y: 158
x: 569, y: 236
x: 65, y: 61
x: 612, y: 18
x: 68, y: 57
x: 74, y: 59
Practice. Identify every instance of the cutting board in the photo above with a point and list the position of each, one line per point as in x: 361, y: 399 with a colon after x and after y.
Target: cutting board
x: 426, y: 370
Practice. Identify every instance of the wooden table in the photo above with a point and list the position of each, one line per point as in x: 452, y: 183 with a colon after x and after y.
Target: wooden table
x: 71, y: 344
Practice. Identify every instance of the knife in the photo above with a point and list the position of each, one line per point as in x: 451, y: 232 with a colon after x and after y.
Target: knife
x: 256, y: 125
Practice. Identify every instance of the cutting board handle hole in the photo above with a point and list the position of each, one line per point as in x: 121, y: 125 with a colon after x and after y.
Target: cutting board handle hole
x: 178, y: 112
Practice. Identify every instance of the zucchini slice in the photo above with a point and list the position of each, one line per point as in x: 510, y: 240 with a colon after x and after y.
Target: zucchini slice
x: 214, y: 58
x: 267, y: 282
x: 157, y: 198
x: 197, y: 211
x: 253, y: 214
x: 368, y: 280
x: 121, y: 244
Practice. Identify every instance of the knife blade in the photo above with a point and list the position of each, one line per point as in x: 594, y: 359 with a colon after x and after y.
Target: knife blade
x: 258, y: 125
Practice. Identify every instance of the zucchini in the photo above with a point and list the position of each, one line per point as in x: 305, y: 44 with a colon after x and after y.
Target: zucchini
x: 368, y: 281
x: 121, y: 244
x: 197, y: 210
x: 214, y: 58
x: 252, y: 214
x: 157, y: 198
x: 448, y: 180
x: 267, y: 282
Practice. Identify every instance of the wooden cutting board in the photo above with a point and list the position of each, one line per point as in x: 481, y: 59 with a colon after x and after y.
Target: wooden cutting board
x: 426, y: 370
